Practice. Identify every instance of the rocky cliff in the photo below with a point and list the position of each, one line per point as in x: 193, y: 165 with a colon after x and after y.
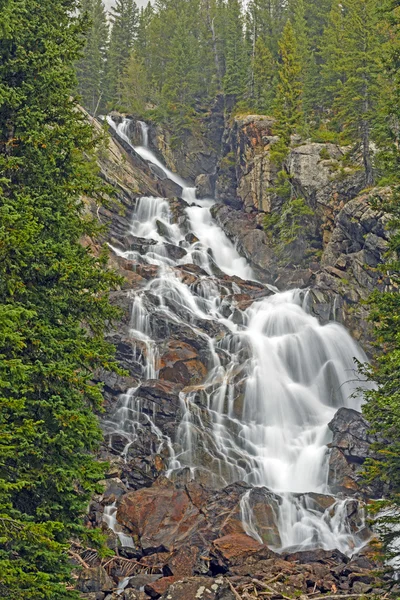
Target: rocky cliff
x: 191, y: 535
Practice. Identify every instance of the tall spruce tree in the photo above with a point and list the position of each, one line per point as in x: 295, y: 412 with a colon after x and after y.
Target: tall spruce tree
x: 91, y: 67
x: 235, y: 77
x: 125, y: 21
x: 289, y: 95
x: 361, y: 66
x: 53, y: 301
x: 263, y: 77
x: 332, y: 55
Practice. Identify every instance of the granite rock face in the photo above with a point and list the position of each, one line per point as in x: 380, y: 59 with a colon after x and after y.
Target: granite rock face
x: 350, y: 448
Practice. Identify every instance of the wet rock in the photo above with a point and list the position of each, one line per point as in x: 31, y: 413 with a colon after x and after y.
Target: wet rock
x: 317, y: 556
x: 264, y: 506
x: 350, y: 435
x: 351, y: 446
x: 205, y: 186
x: 349, y: 272
x: 250, y: 239
x: 197, y: 151
x: 94, y: 580
x: 161, y: 517
x: 179, y: 362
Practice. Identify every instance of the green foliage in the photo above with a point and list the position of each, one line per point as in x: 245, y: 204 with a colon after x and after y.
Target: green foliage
x: 264, y: 70
x: 134, y: 86
x: 125, y: 22
x: 285, y: 227
x: 53, y: 301
x: 91, y: 67
x: 288, y: 102
x: 234, y: 81
x: 382, y: 407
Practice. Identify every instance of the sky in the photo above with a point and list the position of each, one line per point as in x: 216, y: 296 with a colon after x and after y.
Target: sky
x: 109, y: 3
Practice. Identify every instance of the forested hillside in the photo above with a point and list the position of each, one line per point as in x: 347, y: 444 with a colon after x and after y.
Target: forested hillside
x: 318, y: 68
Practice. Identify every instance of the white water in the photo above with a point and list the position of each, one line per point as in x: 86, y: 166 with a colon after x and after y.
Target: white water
x: 261, y: 415
x: 111, y: 520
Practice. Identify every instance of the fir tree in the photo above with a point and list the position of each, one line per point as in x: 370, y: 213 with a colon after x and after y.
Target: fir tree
x: 125, y: 21
x: 263, y: 73
x: 53, y: 301
x: 235, y: 78
x: 289, y: 95
x: 332, y: 55
x: 361, y: 65
x: 134, y: 86
x: 91, y: 68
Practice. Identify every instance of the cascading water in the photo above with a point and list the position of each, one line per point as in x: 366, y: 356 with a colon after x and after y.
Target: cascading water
x: 276, y: 377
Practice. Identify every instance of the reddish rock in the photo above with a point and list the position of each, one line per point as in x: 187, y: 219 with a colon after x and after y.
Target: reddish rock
x: 183, y: 561
x: 157, y: 588
x: 180, y: 363
x: 232, y: 548
x: 160, y: 516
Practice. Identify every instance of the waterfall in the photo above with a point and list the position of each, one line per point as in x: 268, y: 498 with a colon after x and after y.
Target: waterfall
x: 144, y: 128
x: 275, y: 379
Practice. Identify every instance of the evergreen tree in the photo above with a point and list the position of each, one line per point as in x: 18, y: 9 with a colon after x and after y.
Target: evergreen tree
x: 382, y: 407
x: 53, y: 301
x: 183, y: 68
x: 263, y: 73
x: 125, y: 21
x: 306, y: 58
x: 288, y: 102
x: 91, y: 67
x: 134, y: 86
x: 361, y: 65
x: 332, y: 55
x: 235, y: 77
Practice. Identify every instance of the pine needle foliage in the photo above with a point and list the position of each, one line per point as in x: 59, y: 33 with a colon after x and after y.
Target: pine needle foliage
x: 54, y: 306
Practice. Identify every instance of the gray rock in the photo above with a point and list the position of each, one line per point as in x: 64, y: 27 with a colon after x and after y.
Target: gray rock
x: 94, y: 579
x: 205, y: 186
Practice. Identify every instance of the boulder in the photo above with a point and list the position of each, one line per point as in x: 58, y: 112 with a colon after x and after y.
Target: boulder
x: 200, y: 588
x: 157, y: 588
x: 94, y: 579
x: 140, y: 581
x: 231, y: 549
x: 161, y: 517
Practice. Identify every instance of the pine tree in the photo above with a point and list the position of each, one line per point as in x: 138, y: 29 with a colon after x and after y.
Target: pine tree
x: 263, y: 73
x: 289, y: 95
x: 235, y: 78
x: 53, y: 301
x: 305, y: 56
x: 134, y: 86
x: 125, y: 21
x: 332, y: 55
x: 91, y: 68
x: 361, y: 65
x: 182, y: 72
